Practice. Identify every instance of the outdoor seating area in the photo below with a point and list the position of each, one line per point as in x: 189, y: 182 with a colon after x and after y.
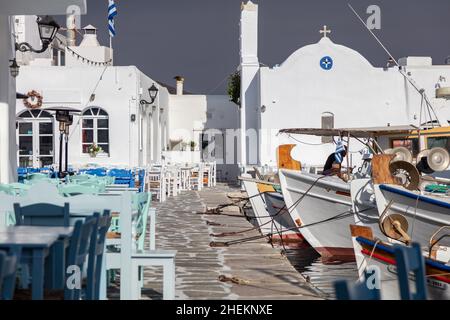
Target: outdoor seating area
x: 70, y: 238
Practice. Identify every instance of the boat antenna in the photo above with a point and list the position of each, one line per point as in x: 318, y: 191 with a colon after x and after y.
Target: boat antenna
x: 421, y: 91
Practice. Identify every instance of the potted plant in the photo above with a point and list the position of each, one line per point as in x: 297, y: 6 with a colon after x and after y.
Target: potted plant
x: 192, y: 144
x: 94, y: 150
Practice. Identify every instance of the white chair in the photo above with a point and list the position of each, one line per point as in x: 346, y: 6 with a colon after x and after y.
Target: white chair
x: 196, y: 177
x: 156, y: 185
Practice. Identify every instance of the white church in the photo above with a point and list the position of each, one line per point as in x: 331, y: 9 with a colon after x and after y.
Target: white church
x: 325, y: 84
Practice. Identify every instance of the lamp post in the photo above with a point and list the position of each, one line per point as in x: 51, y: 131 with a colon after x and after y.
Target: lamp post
x: 153, y: 93
x: 64, y: 116
x: 48, y: 28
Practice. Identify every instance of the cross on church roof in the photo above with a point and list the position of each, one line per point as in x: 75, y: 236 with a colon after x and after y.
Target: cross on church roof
x: 324, y: 31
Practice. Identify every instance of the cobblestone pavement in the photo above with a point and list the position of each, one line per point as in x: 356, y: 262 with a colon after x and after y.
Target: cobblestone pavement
x: 259, y: 270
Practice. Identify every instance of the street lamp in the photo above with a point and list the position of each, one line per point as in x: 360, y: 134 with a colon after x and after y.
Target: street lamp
x: 14, y: 68
x: 48, y: 28
x: 153, y: 93
x: 64, y: 116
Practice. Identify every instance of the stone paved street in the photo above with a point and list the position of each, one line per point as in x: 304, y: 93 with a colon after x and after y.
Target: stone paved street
x: 261, y: 271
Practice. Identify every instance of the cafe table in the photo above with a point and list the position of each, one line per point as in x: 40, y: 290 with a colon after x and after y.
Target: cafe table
x: 34, y: 244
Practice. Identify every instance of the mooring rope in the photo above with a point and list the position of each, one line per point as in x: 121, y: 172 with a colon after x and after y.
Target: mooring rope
x: 341, y: 215
x: 279, y: 212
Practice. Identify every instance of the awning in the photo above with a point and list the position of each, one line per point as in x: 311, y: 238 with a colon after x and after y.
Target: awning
x: 369, y: 132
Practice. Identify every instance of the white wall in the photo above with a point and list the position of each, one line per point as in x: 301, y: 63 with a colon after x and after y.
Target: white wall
x: 299, y: 91
x: 192, y: 115
x: 118, y: 93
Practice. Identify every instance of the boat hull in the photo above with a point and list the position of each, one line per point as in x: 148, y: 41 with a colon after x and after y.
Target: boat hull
x: 283, y: 223
x: 318, y: 212
x: 425, y: 214
x: 381, y: 260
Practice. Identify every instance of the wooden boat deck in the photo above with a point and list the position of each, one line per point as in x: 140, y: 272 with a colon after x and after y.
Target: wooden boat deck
x: 261, y: 270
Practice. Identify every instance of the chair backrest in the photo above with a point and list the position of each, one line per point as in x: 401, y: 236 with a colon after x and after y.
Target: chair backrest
x: 141, y: 225
x: 42, y: 214
x: 78, y: 251
x: 99, y: 172
x: 122, y: 176
x: 6, y: 188
x: 96, y: 251
x: 410, y: 260
x: 8, y: 266
x: 346, y: 290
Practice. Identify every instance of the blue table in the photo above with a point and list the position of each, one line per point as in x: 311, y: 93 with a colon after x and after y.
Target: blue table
x: 34, y: 244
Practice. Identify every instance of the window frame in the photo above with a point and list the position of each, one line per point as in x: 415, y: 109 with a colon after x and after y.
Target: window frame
x: 95, y: 130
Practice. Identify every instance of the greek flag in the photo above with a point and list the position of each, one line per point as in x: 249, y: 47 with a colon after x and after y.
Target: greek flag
x: 339, y: 149
x: 112, y: 12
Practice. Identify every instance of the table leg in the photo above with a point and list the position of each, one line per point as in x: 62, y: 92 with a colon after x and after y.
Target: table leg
x: 169, y: 280
x: 10, y: 282
x: 38, y: 274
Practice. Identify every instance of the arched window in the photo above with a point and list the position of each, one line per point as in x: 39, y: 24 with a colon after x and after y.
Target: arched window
x: 95, y: 129
x: 35, y: 138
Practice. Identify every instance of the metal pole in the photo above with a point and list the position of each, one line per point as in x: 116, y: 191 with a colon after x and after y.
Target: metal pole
x: 61, y: 133
x: 67, y: 153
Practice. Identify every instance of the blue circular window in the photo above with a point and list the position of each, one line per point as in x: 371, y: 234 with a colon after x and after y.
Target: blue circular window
x: 326, y: 63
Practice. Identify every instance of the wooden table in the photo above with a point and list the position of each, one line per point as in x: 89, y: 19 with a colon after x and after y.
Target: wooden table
x: 32, y: 243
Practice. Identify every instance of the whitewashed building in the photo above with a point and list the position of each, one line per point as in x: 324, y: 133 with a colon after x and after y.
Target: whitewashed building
x: 81, y: 76
x: 210, y: 122
x: 327, y: 84
x: 8, y: 9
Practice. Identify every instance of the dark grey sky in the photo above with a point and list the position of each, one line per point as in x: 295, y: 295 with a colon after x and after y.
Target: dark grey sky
x: 199, y: 38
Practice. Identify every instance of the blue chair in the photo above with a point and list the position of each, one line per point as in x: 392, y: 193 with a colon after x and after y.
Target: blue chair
x: 33, y: 170
x: 360, y: 291
x: 96, y: 251
x: 42, y: 214
x: 99, y: 172
x: 21, y: 174
x: 8, y: 266
x: 78, y: 252
x: 410, y: 260
x: 141, y: 177
x: 122, y: 176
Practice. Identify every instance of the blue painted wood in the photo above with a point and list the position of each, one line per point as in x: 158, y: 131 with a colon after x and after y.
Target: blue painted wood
x: 96, y: 252
x: 122, y: 176
x: 346, y: 290
x: 415, y: 196
x: 8, y: 267
x: 78, y: 252
x: 30, y: 247
x: 42, y: 214
x: 411, y: 260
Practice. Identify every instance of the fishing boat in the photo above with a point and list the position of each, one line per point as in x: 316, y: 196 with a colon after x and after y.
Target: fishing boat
x: 325, y: 204
x: 420, y: 213
x: 377, y: 256
x: 269, y: 209
x: 259, y: 215
x: 269, y: 212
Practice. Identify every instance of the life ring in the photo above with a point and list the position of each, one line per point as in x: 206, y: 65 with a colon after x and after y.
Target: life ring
x: 34, y: 100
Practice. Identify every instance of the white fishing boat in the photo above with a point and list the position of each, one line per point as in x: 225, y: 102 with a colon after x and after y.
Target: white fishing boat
x: 321, y: 206
x: 324, y: 204
x: 377, y: 256
x: 269, y: 211
x: 258, y: 216
x: 421, y: 213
